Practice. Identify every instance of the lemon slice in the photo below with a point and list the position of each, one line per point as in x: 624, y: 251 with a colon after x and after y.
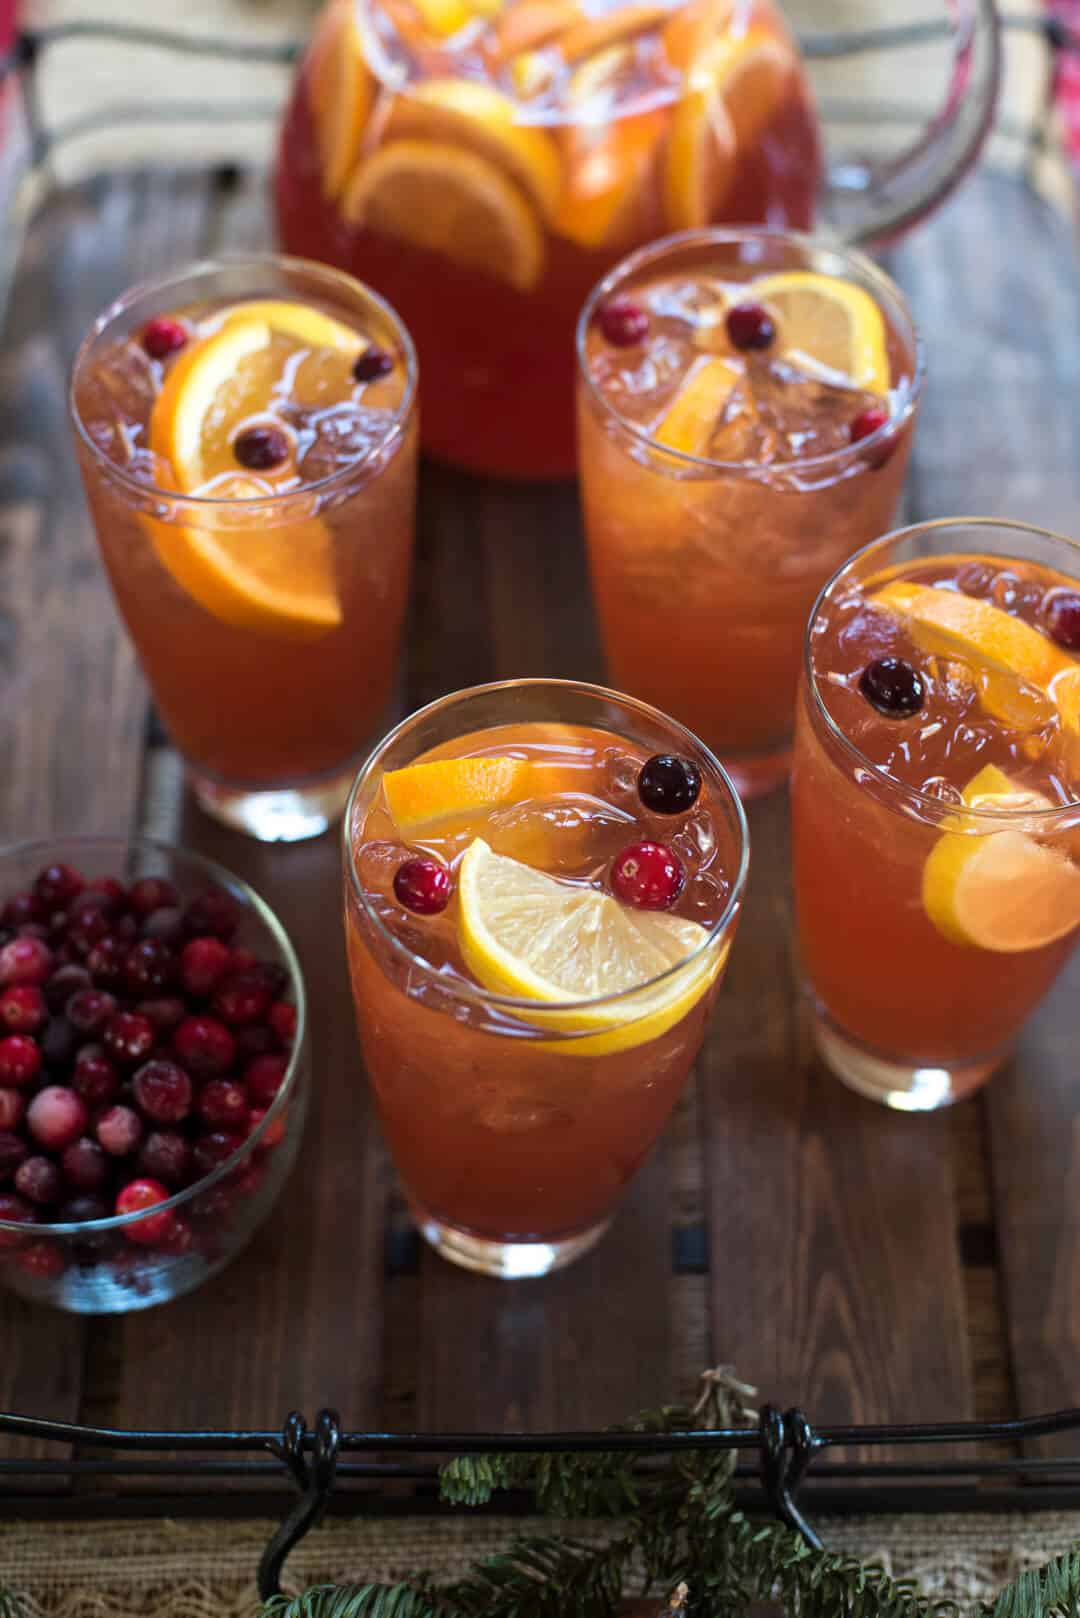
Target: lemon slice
x: 275, y: 578
x: 832, y: 321
x: 1001, y: 891
x: 449, y: 202
x: 342, y: 93
x: 527, y: 934
x: 692, y: 417
x: 423, y: 794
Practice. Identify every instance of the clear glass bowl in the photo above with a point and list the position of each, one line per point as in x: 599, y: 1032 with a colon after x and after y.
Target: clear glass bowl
x: 111, y: 1266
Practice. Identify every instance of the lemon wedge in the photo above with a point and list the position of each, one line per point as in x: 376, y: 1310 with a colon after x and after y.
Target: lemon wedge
x: 530, y: 935
x: 832, y: 321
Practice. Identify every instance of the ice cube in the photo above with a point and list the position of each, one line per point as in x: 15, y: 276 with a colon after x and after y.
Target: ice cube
x: 335, y: 438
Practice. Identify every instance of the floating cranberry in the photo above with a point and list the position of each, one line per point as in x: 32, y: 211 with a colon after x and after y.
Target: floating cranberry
x: 165, y: 1155
x: 105, y: 961
x: 56, y: 1116
x: 893, y: 687
x: 44, y: 1261
x: 89, y: 1010
x: 223, y: 1104
x: 205, y: 1047
x: 243, y: 999
x: 1063, y: 618
x: 203, y: 964
x: 648, y: 876
x: 623, y: 322
x: 119, y: 1130
x: 149, y: 967
x: 65, y: 982
x: 282, y: 1019
x: 152, y: 893
x: 372, y: 364
x: 166, y: 1012
x: 21, y: 908
x: 38, y: 1180
x: 264, y: 1078
x: 94, y: 1077
x: 422, y: 886
x: 868, y: 421
x: 750, y: 326
x: 139, y: 1197
x: 163, y: 336
x: 669, y: 784
x: 22, y: 1008
x: 14, y: 1210
x: 261, y: 449
x: 85, y: 1165
x: 25, y: 960
x: 57, y: 885
x: 162, y: 1091
x: 129, y: 1037
x: 212, y: 1150
x: 13, y: 1151
x: 213, y: 912
x: 12, y: 1107
x: 20, y: 1060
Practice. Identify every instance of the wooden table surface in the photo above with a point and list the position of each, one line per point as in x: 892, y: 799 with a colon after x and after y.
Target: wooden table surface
x: 867, y: 1265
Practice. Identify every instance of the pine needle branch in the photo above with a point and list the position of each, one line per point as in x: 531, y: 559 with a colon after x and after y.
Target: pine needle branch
x: 352, y: 1601
x: 1052, y: 1591
x: 9, y: 1606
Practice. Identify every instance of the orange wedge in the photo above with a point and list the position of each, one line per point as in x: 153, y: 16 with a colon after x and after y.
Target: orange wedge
x: 699, y: 164
x: 464, y: 114
x: 694, y: 27
x: 423, y: 794
x: 831, y: 321
x: 532, y: 25
x: 449, y: 202
x: 751, y: 72
x: 625, y: 22
x: 273, y: 578
x: 609, y: 180
x: 342, y: 89
x: 690, y: 420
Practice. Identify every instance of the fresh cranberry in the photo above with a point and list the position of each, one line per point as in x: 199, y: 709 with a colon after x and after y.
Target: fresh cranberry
x: 59, y: 1043
x: 162, y: 1091
x: 65, y: 982
x: 203, y: 964
x: 37, y: 929
x: 257, y: 1039
x: 282, y: 1019
x: 12, y: 1107
x: 85, y: 1165
x: 89, y: 1010
x: 166, y: 927
x: 119, y: 1130
x: 13, y: 1150
x: 178, y: 1237
x: 106, y: 961
x: 893, y: 687
x: 166, y: 1012
x: 165, y: 1155
x: 94, y: 1077
x: 129, y: 1037
x: 211, y: 1150
x: 623, y: 322
x: 149, y: 967
x: 38, y: 1180
x: 243, y: 999
x: 1063, y: 618
x: 261, y: 449
x: 152, y: 893
x: 14, y: 1210
x: 25, y: 960
x: 56, y: 1116
x: 20, y: 1060
x: 241, y: 959
x: 750, y: 326
x: 372, y: 364
x: 222, y: 1104
x: 21, y: 908
x: 669, y: 784
x: 205, y: 1047
x: 85, y: 1206
x: 138, y: 1197
x: 264, y: 1077
x: 213, y: 912
x: 422, y: 886
x: 274, y: 1133
x: 45, y: 1261
x: 868, y: 421
x: 57, y: 885
x: 22, y: 1008
x: 114, y: 891
x: 163, y: 336
x: 648, y: 876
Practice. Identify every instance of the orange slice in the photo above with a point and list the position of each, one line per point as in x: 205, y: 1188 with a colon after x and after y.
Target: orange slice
x: 751, y: 72
x: 274, y: 578
x: 532, y: 25
x: 300, y: 320
x: 610, y: 180
x: 699, y: 164
x: 690, y: 420
x: 625, y: 22
x: 423, y: 794
x: 694, y: 27
x: 342, y: 89
x: 449, y: 202
x: 833, y: 322
x: 465, y: 114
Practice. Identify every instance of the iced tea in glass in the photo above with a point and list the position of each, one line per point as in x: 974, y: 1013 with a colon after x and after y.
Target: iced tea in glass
x: 542, y: 885
x: 746, y: 402
x: 482, y: 164
x: 247, y: 437
x: 936, y: 802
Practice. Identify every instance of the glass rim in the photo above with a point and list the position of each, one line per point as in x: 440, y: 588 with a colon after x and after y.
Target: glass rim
x: 881, y: 776
x: 722, y: 235
x: 210, y: 265
x: 475, y: 992
x: 30, y: 847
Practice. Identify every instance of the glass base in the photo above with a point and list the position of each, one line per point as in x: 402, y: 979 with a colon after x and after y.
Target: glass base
x: 509, y: 1261
x: 285, y: 815
x: 754, y: 777
x: 899, y: 1085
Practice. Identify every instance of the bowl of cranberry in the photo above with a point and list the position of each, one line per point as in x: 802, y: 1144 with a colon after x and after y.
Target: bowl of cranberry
x: 153, y: 1070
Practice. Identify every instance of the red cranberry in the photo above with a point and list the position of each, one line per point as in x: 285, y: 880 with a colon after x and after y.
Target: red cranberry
x: 138, y: 1197
x: 203, y: 964
x: 222, y: 1104
x: 178, y: 1238
x: 85, y: 1165
x: 38, y: 1180
x: 648, y: 876
x: 14, y: 1211
x: 205, y: 1046
x: 59, y: 1043
x: 750, y: 326
x: 56, y: 1116
x: 669, y: 784
x: 25, y: 960
x: 45, y: 1261
x: 57, y: 885
x: 20, y: 1060
x: 893, y: 687
x: 1063, y: 618
x: 165, y: 1155
x: 257, y: 1039
x: 22, y: 1008
x: 211, y: 1150
x: 89, y: 1010
x: 166, y: 927
x: 149, y: 967
x: 21, y: 908
x: 166, y: 1012
x: 106, y: 960
x: 264, y: 1077
x: 868, y: 421
x: 274, y: 1133
x: 623, y: 322
x: 129, y: 1037
x: 213, y: 912
x: 152, y: 893
x: 86, y: 1206
x: 119, y: 1130
x: 12, y: 1107
x: 243, y: 999
x: 94, y: 1076
x: 242, y: 960
x: 163, y: 336
x: 65, y: 982
x: 261, y: 449
x: 162, y: 1091
x: 13, y: 1150
x: 422, y: 886
x: 372, y: 364
x: 112, y: 890
x: 282, y: 1019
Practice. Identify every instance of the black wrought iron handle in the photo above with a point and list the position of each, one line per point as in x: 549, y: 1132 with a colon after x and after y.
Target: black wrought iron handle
x: 316, y: 1479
